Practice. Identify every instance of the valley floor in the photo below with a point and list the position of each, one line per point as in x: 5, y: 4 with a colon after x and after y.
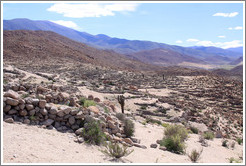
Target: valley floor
x: 23, y: 144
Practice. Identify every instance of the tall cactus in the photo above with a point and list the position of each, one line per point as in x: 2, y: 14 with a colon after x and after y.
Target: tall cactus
x: 121, y: 100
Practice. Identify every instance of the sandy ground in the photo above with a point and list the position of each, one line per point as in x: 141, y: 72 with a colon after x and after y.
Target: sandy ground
x: 31, y: 144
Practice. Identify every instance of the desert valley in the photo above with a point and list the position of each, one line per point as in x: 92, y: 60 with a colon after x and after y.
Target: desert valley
x: 73, y: 97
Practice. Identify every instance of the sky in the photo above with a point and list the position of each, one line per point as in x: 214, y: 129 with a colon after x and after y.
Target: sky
x: 183, y: 24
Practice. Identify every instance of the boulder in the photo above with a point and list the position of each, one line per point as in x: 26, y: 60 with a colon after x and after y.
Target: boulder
x: 11, y: 94
x: 6, y: 108
x: 53, y: 110
x: 35, y: 102
x: 74, y: 111
x: 32, y: 112
x: 22, y: 106
x: 66, y: 109
x: 79, y: 131
x: 60, y: 113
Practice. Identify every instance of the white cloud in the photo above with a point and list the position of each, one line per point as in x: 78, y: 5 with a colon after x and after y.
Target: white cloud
x: 69, y: 24
x: 225, y: 45
x: 221, y: 36
x: 179, y: 41
x: 91, y: 9
x: 235, y: 28
x: 226, y: 14
x: 192, y: 40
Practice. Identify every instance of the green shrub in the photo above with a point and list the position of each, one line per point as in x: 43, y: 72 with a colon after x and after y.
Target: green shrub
x: 174, y: 137
x: 82, y: 100
x: 172, y: 130
x: 106, y: 110
x: 143, y: 107
x: 128, y: 127
x: 224, y: 143
x: 149, y: 120
x: 88, y: 103
x: 120, y: 116
x: 194, y: 130
x: 194, y: 156
x: 208, y: 135
x: 239, y: 141
x: 173, y: 144
x: 233, y: 160
x: 165, y: 125
x: 115, y: 150
x: 92, y: 133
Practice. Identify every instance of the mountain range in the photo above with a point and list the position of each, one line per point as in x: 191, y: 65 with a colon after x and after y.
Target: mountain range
x: 146, y: 51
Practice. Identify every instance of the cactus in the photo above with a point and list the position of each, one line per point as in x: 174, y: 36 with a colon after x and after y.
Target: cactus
x: 121, y: 100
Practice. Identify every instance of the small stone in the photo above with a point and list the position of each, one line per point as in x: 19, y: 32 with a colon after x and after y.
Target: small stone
x: 48, y: 122
x: 158, y: 141
x: 128, y: 140
x: 135, y: 140
x: 6, y: 108
x: 35, y: 102
x: 90, y: 97
x: 29, y: 107
x: 42, y: 103
x: 43, y: 111
x: 96, y: 99
x: 111, y: 124
x: 74, y: 112
x: 12, y: 102
x: 23, y: 112
x: 71, y: 120
x: 60, y: 113
x: 163, y: 148
x: 27, y: 121
x: 53, y: 110
x: 75, y: 127
x: 79, y: 131
x: 81, y: 140
x: 140, y: 146
x: 9, y: 120
x: 11, y: 94
x: 153, y: 145
x: 32, y: 112
x: 22, y: 106
x: 66, y: 109
x: 94, y: 109
x: 12, y: 112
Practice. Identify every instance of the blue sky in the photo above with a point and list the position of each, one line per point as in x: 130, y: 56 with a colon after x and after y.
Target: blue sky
x: 184, y: 24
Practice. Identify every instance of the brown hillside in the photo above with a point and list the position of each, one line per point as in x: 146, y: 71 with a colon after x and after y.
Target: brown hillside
x: 45, y: 48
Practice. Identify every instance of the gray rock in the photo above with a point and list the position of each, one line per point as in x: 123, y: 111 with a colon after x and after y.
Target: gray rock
x: 29, y: 107
x: 11, y: 94
x: 35, y: 102
x: 57, y: 125
x: 42, y: 103
x: 74, y: 112
x: 23, y: 113
x: 81, y: 140
x: 53, y: 110
x: 43, y: 111
x: 153, y: 145
x: 163, y: 148
x: 218, y: 134
x: 79, y: 131
x: 6, y: 108
x: 12, y: 102
x: 9, y: 120
x: 27, y: 121
x: 12, y: 112
x: 51, y: 116
x: 79, y: 115
x: 22, y: 106
x: 71, y: 120
x: 48, y: 122
x: 75, y: 127
x: 17, y: 108
x: 139, y: 146
x: 21, y: 101
x: 32, y: 112
x: 60, y: 113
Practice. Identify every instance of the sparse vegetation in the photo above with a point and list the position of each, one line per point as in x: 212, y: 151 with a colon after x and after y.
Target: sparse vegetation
x: 128, y: 128
x: 233, y: 160
x: 115, y: 150
x: 208, y: 135
x: 194, y: 130
x: 165, y: 125
x: 143, y: 107
x: 224, y: 143
x: 173, y: 140
x: 150, y: 120
x: 92, y: 133
x: 239, y: 141
x: 25, y: 95
x: 86, y: 103
x: 120, y: 116
x: 195, y: 155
